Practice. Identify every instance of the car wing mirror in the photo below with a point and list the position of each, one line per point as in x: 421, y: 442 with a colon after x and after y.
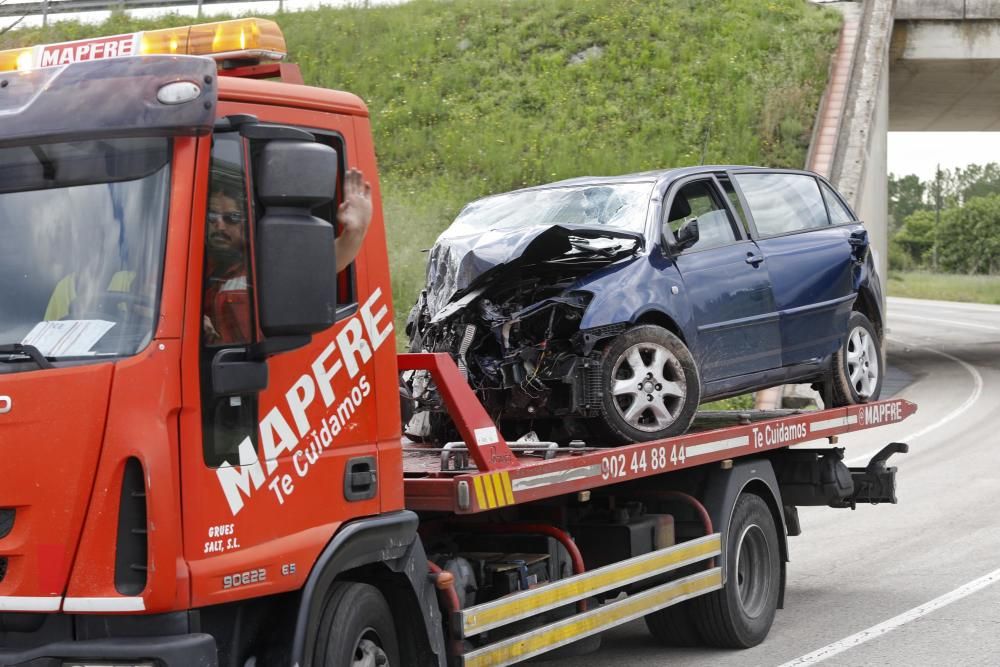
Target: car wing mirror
x: 687, y: 235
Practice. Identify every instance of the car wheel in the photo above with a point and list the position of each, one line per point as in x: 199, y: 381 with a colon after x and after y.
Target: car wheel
x: 650, y: 385
x: 858, y: 365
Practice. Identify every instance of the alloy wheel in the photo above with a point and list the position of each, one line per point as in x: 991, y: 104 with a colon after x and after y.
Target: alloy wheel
x: 648, y: 385
x: 862, y: 362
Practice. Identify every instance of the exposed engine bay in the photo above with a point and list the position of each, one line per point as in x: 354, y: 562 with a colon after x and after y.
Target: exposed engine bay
x: 514, y: 329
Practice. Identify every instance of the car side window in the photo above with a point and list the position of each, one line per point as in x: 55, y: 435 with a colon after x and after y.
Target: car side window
x: 783, y: 203
x: 838, y: 212
x: 698, y: 219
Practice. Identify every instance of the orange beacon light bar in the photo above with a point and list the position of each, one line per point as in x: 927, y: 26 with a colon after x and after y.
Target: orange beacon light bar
x: 249, y: 39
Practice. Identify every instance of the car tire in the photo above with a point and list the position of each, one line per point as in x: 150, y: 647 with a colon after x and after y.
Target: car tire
x: 356, y: 628
x: 740, y: 614
x: 858, y: 364
x: 650, y: 386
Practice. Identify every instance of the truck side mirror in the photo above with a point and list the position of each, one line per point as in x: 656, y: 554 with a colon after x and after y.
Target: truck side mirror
x: 296, y: 263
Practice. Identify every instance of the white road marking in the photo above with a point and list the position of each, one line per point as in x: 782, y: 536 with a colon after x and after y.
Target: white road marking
x: 875, y: 631
x: 977, y: 391
x: 954, y: 323
x: 966, y: 306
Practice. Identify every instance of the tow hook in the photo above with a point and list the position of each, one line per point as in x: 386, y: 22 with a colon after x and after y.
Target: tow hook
x: 875, y: 483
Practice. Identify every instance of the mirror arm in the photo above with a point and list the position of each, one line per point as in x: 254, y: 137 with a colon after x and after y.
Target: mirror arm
x: 276, y: 345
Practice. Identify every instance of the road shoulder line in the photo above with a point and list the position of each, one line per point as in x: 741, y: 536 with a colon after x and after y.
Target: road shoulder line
x: 885, y: 627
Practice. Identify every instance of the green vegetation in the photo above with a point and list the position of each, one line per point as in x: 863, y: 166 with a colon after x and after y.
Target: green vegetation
x: 944, y: 287
x: 470, y: 97
x: 741, y: 402
x: 949, y: 224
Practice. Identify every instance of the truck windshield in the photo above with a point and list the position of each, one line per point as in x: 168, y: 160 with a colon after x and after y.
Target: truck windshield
x: 621, y: 205
x: 82, y: 229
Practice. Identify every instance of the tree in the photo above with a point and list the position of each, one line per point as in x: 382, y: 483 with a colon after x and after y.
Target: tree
x: 969, y: 237
x: 906, y: 195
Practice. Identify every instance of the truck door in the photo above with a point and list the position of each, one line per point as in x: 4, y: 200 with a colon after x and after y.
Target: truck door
x: 727, y: 282
x: 810, y: 261
x: 270, y: 475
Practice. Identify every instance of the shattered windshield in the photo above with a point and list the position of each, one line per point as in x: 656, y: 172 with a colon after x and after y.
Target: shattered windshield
x: 621, y: 205
x: 82, y: 228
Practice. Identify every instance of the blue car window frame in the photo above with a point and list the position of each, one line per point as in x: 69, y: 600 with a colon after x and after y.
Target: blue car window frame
x: 731, y: 174
x: 669, y: 241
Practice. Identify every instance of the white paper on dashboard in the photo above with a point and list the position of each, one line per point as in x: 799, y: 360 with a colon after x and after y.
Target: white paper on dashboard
x: 67, y: 338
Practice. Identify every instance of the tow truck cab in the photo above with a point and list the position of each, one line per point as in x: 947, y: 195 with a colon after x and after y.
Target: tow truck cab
x: 170, y: 388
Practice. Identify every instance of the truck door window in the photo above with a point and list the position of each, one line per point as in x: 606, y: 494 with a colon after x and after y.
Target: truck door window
x: 227, y: 302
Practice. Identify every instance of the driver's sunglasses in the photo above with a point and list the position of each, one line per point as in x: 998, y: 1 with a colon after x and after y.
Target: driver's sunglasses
x: 230, y: 218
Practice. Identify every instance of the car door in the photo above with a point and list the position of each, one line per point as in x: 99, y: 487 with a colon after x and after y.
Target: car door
x: 727, y: 282
x: 810, y: 260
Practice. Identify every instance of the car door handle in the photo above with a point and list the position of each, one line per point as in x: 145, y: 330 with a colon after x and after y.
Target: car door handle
x: 754, y: 259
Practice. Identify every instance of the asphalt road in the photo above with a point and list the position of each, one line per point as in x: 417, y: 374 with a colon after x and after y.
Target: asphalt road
x: 859, y: 582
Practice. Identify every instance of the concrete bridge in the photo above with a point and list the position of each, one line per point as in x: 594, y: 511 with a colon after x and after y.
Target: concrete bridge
x: 913, y: 65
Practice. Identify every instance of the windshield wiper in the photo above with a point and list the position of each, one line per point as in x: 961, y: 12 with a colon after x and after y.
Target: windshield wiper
x: 30, y: 351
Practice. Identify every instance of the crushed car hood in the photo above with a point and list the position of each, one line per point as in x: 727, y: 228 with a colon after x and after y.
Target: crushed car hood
x: 458, y: 265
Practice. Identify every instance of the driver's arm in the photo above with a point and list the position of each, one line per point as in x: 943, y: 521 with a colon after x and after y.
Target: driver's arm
x: 354, y: 216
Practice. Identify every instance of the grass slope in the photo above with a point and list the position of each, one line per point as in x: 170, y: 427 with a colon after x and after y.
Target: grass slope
x: 472, y: 97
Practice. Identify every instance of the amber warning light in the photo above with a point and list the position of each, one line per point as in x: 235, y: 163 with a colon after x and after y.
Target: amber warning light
x: 249, y: 41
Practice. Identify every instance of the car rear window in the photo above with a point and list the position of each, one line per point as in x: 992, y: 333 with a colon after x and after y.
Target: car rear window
x: 783, y: 203
x: 838, y: 212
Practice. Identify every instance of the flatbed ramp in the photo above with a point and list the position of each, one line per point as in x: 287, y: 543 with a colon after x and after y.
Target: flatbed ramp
x: 486, y: 473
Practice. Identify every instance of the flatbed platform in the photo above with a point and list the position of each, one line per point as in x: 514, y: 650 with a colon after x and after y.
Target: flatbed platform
x: 487, y: 473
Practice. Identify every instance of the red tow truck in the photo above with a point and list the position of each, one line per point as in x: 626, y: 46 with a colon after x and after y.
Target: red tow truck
x: 175, y: 494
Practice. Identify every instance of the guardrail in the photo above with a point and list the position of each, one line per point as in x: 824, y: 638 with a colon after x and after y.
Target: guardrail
x: 47, y: 7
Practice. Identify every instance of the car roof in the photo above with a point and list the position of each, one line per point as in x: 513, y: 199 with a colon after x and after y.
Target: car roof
x: 654, y: 176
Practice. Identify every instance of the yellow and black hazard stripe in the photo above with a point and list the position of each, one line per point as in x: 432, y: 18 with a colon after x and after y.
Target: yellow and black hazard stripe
x: 493, y: 490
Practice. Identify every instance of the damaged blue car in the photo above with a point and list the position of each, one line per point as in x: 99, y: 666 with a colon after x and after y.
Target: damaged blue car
x: 617, y: 305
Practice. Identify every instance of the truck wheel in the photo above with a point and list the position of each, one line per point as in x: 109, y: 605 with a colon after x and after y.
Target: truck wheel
x: 650, y: 385
x: 673, y: 626
x: 356, y: 629
x: 740, y: 614
x: 857, y: 365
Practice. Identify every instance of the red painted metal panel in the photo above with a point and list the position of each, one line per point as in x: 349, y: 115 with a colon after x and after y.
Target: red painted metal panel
x: 572, y: 471
x: 486, y: 446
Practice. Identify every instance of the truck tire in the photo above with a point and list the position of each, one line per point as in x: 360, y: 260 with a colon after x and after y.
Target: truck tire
x: 356, y: 629
x: 739, y: 615
x: 650, y: 386
x: 858, y: 366
x: 674, y: 626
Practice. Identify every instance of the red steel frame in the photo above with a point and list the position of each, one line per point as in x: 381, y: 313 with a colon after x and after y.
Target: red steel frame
x: 528, y: 479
